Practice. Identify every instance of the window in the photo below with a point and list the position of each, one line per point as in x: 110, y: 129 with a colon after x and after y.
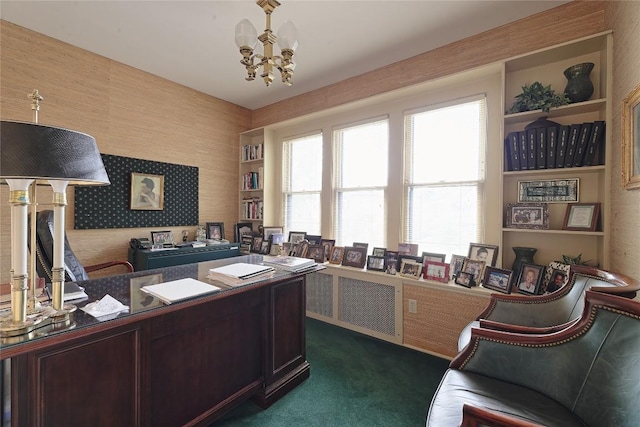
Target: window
x: 302, y: 183
x: 361, y: 154
x: 444, y: 176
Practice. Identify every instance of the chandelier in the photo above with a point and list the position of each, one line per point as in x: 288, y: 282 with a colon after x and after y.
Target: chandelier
x: 247, y: 38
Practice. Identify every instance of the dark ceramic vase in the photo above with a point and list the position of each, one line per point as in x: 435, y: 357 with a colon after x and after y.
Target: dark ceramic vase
x: 579, y: 86
x: 524, y: 255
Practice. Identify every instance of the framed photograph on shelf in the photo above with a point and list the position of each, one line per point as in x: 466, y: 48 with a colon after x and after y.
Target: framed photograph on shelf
x: 376, y: 263
x: 241, y: 229
x: 550, y: 281
x: 549, y: 191
x: 391, y: 260
x: 456, y: 264
x: 465, y: 279
x: 354, y: 257
x: 147, y: 192
x: 316, y: 252
x: 430, y: 256
x: 530, y: 279
x: 435, y: 270
x: 268, y: 231
x: 328, y: 245
x: 313, y: 239
x: 527, y: 215
x: 215, y: 230
x: 286, y: 248
x: 581, y: 217
x: 497, y: 279
x: 256, y: 244
x: 481, y: 252
x: 410, y: 268
x: 337, y: 253
x: 363, y: 245
x: 414, y: 258
x: 408, y: 249
x: 297, y: 236
x: 631, y: 139
x: 301, y: 249
x: 475, y: 268
x: 164, y: 238
x: 379, y: 251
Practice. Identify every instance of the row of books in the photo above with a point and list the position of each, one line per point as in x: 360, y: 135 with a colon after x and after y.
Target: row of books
x: 252, y: 152
x: 564, y: 146
x: 252, y: 208
x: 253, y: 180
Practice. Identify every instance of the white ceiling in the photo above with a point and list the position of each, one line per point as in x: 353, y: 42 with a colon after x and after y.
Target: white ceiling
x: 192, y: 42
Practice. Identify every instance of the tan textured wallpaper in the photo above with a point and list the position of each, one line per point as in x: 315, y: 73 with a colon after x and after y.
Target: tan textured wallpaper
x: 623, y: 17
x: 130, y: 113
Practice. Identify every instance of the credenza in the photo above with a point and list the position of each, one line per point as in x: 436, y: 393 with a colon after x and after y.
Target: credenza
x: 146, y: 259
x: 186, y: 363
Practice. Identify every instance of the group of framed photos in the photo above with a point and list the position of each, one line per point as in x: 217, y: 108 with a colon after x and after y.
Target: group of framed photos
x: 532, y: 209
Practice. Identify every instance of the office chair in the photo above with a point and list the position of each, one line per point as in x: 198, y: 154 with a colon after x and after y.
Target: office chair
x: 74, y: 270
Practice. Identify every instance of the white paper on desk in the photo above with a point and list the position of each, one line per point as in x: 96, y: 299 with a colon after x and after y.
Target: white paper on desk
x: 106, y: 308
x: 242, y: 270
x: 177, y: 290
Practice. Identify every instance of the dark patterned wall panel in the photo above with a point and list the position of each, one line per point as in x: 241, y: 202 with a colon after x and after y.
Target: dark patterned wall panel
x: 108, y: 206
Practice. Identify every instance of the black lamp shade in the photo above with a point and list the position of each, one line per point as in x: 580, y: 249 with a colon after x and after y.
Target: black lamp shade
x: 29, y: 150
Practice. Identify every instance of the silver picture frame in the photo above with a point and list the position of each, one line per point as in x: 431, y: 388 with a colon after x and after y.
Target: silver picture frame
x: 549, y: 191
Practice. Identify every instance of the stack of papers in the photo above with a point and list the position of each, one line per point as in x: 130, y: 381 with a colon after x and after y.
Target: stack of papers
x: 239, y: 273
x: 289, y: 263
x: 178, y: 290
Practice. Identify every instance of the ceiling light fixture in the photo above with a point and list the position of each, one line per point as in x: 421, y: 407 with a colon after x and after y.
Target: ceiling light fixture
x: 246, y: 39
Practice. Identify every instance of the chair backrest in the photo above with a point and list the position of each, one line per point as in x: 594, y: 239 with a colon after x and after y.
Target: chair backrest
x: 74, y: 271
x: 560, y: 307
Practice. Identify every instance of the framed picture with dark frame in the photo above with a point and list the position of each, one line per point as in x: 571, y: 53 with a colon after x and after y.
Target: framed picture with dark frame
x: 164, y: 238
x: 215, y: 230
x: 456, y: 264
x: 527, y: 216
x: 410, y: 268
x: 465, y: 279
x: 557, y: 280
x: 431, y: 256
x: 475, y: 268
x: 401, y: 257
x: 530, y: 279
x: 313, y: 239
x: 497, y: 279
x: 256, y: 244
x: 376, y: 263
x: 297, y: 236
x: 581, y: 217
x: 327, y: 244
x: 301, y: 249
x: 379, y: 251
x: 240, y: 229
x: 354, y: 257
x: 147, y: 192
x: 482, y: 252
x: 435, y: 270
x: 316, y: 252
x: 337, y: 253
x: 361, y: 245
x: 408, y: 249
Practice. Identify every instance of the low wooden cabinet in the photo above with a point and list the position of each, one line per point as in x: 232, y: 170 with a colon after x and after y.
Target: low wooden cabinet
x: 186, y: 363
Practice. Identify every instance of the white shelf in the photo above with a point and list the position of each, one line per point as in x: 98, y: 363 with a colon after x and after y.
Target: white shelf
x: 564, y: 232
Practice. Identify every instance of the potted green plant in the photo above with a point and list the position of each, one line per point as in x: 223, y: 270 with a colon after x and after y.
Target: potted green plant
x: 536, y: 96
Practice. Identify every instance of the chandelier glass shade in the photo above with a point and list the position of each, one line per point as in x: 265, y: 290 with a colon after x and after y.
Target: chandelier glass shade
x: 247, y: 38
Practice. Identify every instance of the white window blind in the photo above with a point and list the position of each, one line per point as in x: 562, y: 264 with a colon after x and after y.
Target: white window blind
x: 302, y: 183
x: 444, y: 176
x: 360, y: 183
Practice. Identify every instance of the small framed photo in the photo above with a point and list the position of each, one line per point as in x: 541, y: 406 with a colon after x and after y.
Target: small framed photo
x: 379, y: 251
x: 497, y: 279
x: 549, y: 191
x: 376, y: 263
x: 551, y: 282
x: 530, y: 278
x: 147, y: 192
x: 557, y: 280
x: 414, y: 258
x: 276, y: 238
x: 297, y: 236
x: 215, y: 230
x: 455, y: 265
x: 410, y: 268
x: 354, y: 257
x: 337, y: 253
x: 268, y: 231
x: 256, y: 244
x: 327, y: 244
x: 475, y: 268
x: 286, y: 248
x: 301, y: 249
x: 265, y: 248
x: 434, y: 270
x: 241, y: 229
x: 408, y: 249
x: 164, y: 238
x: 631, y: 140
x: 316, y: 252
x: 464, y: 279
x: 527, y: 215
x: 581, y: 217
x: 430, y: 256
x: 391, y: 260
x: 313, y: 239
x: 361, y: 245
x: 481, y: 252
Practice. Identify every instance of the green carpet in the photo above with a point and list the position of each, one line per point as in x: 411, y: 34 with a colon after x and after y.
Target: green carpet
x: 355, y: 380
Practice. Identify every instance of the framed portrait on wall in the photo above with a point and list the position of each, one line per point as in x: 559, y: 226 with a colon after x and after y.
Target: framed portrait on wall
x: 147, y: 192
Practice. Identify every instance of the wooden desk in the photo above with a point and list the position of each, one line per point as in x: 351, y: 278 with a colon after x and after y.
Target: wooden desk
x: 183, y: 364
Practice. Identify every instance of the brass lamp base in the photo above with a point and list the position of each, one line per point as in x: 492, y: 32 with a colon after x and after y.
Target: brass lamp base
x: 45, y: 316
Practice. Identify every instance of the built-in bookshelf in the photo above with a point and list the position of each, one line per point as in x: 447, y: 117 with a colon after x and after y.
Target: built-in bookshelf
x: 586, y: 124
x: 252, y: 177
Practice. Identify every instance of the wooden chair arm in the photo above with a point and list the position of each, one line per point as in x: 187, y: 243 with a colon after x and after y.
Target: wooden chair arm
x: 95, y: 267
x: 474, y: 416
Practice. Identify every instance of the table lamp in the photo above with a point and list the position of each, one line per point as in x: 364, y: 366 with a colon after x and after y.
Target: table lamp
x: 32, y: 154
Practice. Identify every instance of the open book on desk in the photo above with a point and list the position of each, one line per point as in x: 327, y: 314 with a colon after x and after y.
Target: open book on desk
x: 178, y: 290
